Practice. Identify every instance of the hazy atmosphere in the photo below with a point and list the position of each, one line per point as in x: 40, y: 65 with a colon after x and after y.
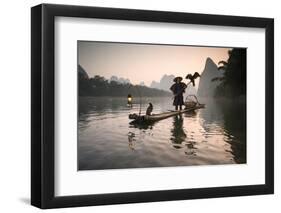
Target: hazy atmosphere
x: 144, y: 105
x: 142, y: 62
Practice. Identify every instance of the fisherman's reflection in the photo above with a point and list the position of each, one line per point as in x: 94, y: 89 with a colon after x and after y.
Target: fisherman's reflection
x: 178, y: 134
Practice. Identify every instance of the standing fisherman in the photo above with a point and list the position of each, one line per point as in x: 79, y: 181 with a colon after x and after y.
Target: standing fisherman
x: 178, y: 88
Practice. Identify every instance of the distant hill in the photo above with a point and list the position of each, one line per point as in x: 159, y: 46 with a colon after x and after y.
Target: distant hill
x: 190, y: 90
x: 142, y: 83
x: 207, y: 87
x: 99, y: 86
x: 166, y: 82
x: 82, y: 74
x: 120, y: 80
x: 155, y: 84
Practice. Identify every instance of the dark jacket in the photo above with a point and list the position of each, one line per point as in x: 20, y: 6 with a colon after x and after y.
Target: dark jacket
x: 178, y: 89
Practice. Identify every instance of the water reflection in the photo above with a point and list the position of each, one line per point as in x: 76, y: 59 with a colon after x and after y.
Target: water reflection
x: 142, y: 126
x: 131, y: 140
x: 191, y: 149
x: 191, y: 144
x: 106, y: 139
x: 234, y: 126
x: 231, y: 115
x: 177, y: 132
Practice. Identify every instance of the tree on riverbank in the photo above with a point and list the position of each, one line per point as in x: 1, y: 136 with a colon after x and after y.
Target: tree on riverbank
x: 233, y: 81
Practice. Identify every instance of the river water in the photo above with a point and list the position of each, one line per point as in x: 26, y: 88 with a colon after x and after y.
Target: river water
x: 210, y: 136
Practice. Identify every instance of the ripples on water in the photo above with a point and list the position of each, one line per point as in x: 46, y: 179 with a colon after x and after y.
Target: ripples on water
x: 214, y: 135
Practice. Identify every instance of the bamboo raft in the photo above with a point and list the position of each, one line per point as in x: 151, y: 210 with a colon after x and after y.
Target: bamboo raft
x: 144, y: 119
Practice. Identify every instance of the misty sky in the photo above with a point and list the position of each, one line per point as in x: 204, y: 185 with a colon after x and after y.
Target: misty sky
x: 143, y: 62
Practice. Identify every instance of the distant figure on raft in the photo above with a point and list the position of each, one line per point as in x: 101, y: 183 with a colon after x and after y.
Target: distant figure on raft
x: 178, y: 88
x: 149, y: 109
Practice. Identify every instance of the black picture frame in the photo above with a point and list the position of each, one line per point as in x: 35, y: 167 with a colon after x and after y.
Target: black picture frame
x: 43, y: 117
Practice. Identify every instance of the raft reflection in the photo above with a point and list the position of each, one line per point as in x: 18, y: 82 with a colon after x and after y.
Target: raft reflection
x: 211, y: 136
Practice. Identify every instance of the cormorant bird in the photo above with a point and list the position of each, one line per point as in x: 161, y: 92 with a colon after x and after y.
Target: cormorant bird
x: 192, y: 77
x: 149, y: 109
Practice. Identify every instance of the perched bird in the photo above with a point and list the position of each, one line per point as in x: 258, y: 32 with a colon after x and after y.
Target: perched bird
x: 149, y: 109
x: 192, y: 77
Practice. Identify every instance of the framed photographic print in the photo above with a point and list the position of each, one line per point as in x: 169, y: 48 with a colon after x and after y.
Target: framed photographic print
x: 140, y: 106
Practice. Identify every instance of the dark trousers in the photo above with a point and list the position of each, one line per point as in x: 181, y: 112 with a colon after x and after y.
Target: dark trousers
x: 177, y: 107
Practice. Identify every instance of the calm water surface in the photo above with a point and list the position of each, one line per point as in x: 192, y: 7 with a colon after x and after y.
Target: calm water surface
x: 106, y: 140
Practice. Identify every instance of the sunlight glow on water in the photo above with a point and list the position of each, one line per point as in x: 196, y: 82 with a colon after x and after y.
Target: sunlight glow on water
x: 214, y: 135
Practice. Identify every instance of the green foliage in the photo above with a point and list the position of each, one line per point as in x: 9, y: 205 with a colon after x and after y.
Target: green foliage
x: 99, y: 86
x: 233, y: 82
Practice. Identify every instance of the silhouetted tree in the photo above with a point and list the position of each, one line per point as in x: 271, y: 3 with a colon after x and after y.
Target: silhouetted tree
x: 233, y: 81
